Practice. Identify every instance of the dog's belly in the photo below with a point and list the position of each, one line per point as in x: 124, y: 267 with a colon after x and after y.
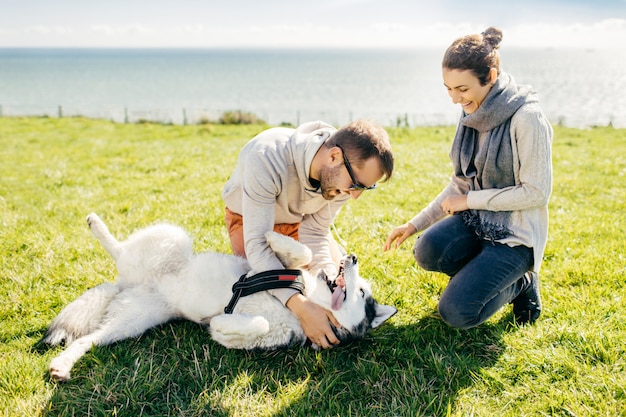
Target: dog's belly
x: 203, y: 289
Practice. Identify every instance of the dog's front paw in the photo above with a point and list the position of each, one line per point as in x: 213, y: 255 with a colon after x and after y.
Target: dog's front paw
x: 291, y: 253
x: 239, y: 325
x: 237, y: 331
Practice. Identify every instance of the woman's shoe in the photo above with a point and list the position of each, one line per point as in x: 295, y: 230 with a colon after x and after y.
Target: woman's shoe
x: 527, y: 305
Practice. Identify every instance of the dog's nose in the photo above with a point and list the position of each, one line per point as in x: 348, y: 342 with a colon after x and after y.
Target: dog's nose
x: 353, y: 258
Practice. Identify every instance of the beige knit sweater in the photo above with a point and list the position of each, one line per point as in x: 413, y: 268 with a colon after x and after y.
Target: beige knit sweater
x: 270, y: 185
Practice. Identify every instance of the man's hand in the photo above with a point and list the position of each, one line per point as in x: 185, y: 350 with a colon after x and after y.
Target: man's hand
x: 315, y: 321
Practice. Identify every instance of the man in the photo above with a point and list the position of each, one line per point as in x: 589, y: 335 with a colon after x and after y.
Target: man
x: 295, y: 181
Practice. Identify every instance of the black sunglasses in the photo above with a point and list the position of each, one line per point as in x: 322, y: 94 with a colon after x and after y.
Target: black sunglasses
x: 355, y: 184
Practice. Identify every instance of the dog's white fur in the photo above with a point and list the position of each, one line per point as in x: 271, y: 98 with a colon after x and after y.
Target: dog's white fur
x: 160, y: 278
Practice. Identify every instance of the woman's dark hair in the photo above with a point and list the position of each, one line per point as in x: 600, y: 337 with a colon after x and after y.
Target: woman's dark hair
x: 478, y: 53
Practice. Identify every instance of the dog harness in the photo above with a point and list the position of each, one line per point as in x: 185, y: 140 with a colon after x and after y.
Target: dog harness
x: 268, y: 280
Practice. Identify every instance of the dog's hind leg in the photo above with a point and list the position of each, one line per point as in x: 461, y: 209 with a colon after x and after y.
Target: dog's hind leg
x: 129, y: 315
x: 82, y: 316
x: 101, y: 232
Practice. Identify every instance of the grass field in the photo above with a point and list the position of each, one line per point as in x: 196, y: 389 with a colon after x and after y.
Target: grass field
x: 53, y: 172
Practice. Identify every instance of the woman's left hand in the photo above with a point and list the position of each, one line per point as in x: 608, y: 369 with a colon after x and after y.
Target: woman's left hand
x: 455, y: 204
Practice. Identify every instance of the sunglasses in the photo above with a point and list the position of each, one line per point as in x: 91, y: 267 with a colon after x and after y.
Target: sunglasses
x: 355, y: 184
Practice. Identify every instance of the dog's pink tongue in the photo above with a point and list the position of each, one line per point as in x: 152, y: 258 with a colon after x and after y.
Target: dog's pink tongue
x: 336, y: 301
x: 340, y: 281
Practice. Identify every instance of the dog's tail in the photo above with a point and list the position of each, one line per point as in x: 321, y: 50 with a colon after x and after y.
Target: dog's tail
x: 82, y: 316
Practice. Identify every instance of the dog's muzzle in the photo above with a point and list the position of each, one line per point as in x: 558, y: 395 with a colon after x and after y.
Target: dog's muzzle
x: 338, y: 285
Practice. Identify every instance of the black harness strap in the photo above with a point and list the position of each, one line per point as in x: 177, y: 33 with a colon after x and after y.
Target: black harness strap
x: 268, y: 280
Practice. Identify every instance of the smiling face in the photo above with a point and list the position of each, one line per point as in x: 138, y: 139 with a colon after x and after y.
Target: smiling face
x: 464, y: 88
x: 336, y: 179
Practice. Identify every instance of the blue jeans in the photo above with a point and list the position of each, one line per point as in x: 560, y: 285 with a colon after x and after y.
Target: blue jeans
x: 484, y: 276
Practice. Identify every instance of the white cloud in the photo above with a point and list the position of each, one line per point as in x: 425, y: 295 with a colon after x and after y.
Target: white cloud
x: 390, y: 27
x: 307, y: 29
x: 190, y: 29
x: 110, y: 30
x: 48, y: 30
x: 608, y: 33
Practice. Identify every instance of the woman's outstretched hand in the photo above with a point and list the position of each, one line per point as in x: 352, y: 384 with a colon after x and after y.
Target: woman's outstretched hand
x: 399, y: 235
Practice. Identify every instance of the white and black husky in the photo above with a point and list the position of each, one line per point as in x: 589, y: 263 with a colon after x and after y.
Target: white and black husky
x: 160, y: 278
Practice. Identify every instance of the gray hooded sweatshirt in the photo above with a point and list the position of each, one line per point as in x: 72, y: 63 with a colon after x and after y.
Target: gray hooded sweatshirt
x: 270, y: 185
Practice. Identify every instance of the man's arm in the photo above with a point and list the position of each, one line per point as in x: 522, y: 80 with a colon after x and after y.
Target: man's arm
x: 315, y: 233
x: 261, y: 186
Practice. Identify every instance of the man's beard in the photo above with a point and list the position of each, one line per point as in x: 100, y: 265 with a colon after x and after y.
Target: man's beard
x: 328, y: 180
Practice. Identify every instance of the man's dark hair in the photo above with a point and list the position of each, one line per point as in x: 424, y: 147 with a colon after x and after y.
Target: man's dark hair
x: 362, y: 140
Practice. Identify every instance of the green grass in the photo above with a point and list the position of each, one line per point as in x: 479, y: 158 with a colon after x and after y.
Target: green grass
x: 53, y: 172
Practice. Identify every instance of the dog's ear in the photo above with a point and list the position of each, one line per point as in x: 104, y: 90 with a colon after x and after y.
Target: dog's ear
x: 383, y: 313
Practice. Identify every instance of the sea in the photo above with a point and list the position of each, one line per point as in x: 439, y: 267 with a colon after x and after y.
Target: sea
x: 395, y: 87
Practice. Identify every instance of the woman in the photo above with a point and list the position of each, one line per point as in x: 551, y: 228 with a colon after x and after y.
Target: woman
x: 488, y: 228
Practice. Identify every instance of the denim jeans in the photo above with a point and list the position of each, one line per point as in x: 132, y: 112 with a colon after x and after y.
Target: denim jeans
x: 484, y: 276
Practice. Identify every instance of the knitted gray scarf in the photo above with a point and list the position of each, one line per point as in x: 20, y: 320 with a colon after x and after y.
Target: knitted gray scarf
x: 491, y: 166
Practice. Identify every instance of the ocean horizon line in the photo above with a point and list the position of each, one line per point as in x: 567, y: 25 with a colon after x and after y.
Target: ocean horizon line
x: 244, y: 48
x: 576, y: 88
x: 143, y: 117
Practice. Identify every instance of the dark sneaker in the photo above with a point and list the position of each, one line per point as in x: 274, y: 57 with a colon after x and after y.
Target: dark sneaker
x: 527, y: 305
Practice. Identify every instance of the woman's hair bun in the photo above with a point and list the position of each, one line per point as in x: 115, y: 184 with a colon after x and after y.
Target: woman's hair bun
x: 493, y: 36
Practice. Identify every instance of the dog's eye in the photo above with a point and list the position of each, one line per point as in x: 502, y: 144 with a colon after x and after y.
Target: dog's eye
x: 362, y: 293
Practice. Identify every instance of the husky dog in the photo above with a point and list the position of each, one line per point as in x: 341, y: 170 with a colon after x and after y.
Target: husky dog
x: 160, y: 278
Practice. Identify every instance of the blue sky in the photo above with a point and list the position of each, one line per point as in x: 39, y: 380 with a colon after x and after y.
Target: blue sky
x: 311, y: 23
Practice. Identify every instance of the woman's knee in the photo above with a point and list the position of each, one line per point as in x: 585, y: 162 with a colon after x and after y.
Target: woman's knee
x: 459, y: 307
x: 446, y: 246
x: 455, y: 316
x: 425, y: 254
